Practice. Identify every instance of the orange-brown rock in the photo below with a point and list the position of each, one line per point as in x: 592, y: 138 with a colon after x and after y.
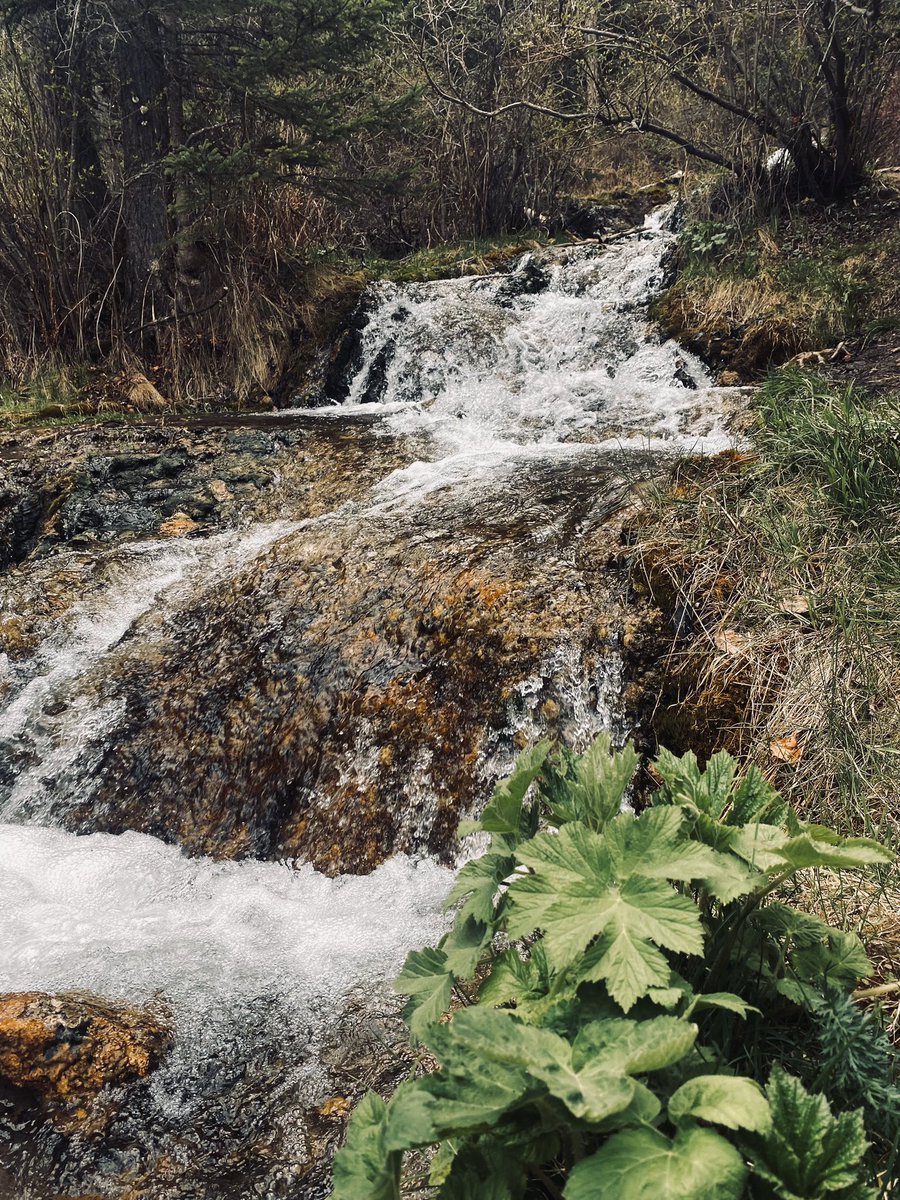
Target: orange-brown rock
x: 60, y: 1052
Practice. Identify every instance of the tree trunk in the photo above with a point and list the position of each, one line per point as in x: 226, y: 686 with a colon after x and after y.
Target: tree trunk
x: 145, y: 143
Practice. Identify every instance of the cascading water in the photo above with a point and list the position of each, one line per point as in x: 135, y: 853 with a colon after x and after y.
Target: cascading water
x: 334, y: 688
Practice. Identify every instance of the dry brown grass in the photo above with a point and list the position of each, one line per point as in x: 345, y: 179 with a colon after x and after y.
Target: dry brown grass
x: 780, y: 572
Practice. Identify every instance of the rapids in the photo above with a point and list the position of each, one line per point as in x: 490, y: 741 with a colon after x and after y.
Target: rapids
x: 233, y: 765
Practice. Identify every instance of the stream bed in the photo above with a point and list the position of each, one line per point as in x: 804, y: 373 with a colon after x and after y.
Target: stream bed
x: 253, y: 689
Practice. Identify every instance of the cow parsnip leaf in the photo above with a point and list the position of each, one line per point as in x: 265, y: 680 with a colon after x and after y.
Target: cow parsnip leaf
x: 630, y: 966
x: 482, y: 1077
x: 839, y: 959
x: 722, y: 1100
x: 525, y: 982
x: 817, y: 847
x: 756, y: 800
x: 478, y: 883
x: 365, y: 1169
x: 658, y: 846
x: 807, y: 1152
x: 636, y: 1047
x: 426, y: 980
x: 636, y: 1164
x: 504, y: 811
x: 596, y: 793
x: 464, y: 946
x: 493, y: 1064
x: 575, y: 894
x: 592, y: 1076
x: 774, y: 850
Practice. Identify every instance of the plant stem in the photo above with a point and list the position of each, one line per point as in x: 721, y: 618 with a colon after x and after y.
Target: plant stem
x: 883, y: 989
x: 548, y: 1183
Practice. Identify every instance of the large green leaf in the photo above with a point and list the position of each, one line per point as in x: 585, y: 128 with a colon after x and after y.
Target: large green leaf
x: 365, y: 1169
x: 576, y: 893
x: 722, y: 1100
x: 725, y: 1000
x: 478, y: 883
x: 658, y: 846
x: 636, y: 1047
x: 492, y: 1064
x: 503, y: 813
x: 756, y: 800
x: 706, y: 791
x: 595, y: 795
x: 631, y: 966
x: 591, y: 1077
x: 775, y: 850
x: 524, y: 982
x: 816, y: 846
x: 482, y: 1078
x: 426, y: 979
x: 807, y: 1152
x: 640, y: 1164
x: 465, y: 945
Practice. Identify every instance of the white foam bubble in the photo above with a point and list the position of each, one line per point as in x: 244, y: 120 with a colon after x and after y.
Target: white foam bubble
x: 483, y: 370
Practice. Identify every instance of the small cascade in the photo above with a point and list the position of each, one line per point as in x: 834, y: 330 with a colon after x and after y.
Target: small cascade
x: 232, y: 767
x: 557, y: 353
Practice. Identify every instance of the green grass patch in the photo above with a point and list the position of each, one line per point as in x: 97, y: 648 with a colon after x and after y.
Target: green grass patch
x: 755, y: 291
x: 790, y: 567
x: 476, y: 256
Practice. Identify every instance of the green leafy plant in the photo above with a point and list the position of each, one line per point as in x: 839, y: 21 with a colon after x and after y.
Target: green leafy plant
x: 704, y: 238
x: 601, y: 974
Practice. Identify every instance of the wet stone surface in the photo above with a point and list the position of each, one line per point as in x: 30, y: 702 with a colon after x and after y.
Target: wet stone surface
x: 352, y: 679
x: 261, y: 669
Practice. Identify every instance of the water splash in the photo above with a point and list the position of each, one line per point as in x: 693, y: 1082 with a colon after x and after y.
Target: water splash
x: 560, y: 351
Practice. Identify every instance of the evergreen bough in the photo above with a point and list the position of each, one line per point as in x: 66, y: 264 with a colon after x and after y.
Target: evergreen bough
x: 605, y: 974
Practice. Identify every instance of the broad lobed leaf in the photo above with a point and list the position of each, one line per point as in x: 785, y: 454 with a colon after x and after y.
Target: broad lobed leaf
x: 637, y: 1164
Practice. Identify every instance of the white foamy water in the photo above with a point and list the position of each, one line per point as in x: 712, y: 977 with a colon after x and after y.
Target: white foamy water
x: 250, y: 961
x: 132, y: 919
x: 560, y: 351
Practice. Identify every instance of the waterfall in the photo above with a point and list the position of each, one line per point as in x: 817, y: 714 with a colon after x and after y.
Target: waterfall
x: 308, y: 705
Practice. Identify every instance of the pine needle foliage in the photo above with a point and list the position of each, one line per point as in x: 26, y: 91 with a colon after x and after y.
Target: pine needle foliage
x: 590, y: 1006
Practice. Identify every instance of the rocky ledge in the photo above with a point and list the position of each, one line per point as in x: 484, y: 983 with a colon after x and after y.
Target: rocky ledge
x: 60, y: 1056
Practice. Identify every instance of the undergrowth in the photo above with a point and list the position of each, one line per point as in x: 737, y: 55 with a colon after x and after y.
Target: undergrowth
x: 622, y: 990
x: 266, y: 345
x: 785, y: 568
x: 754, y: 290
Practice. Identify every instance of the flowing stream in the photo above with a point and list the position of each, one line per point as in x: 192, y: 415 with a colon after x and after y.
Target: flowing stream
x: 231, y: 771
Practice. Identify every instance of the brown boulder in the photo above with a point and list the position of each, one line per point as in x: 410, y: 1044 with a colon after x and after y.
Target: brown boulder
x: 58, y: 1053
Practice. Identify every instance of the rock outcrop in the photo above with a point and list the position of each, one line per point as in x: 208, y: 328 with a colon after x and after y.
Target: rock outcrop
x: 60, y: 1054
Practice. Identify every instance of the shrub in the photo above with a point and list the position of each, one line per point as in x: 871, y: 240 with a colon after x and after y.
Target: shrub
x: 608, y: 973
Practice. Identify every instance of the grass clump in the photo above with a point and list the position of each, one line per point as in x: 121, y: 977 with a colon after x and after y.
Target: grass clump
x: 785, y: 566
x: 612, y: 1009
x: 753, y: 292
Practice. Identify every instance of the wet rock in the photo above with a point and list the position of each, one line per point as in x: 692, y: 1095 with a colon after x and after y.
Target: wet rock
x: 346, y: 357
x: 59, y: 1054
x: 527, y: 280
x: 92, y: 485
x: 178, y: 525
x: 589, y: 220
x: 346, y: 703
